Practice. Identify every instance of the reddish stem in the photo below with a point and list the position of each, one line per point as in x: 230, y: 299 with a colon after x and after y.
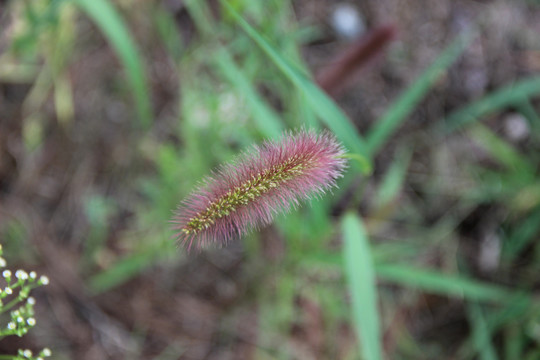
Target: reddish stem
x: 341, y: 71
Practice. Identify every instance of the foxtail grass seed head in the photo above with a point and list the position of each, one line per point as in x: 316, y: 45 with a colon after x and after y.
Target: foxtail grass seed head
x: 261, y: 182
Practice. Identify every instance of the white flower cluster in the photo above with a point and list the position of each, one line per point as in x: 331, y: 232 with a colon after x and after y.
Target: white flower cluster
x: 16, y: 293
x: 22, y: 319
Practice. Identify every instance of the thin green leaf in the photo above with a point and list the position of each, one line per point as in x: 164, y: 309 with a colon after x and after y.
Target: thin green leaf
x: 449, y: 285
x: 200, y: 13
x: 265, y: 118
x: 387, y: 125
x: 135, y: 263
x: 165, y: 24
x: 498, y: 148
x: 480, y: 333
x: 510, y: 95
x: 125, y: 269
x: 513, y: 342
x: 111, y: 24
x: 515, y: 311
x: 527, y: 109
x: 393, y: 179
x: 361, y: 279
x: 327, y: 110
x: 521, y: 235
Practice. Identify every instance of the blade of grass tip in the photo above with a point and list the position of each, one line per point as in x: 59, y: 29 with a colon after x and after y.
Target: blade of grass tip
x: 500, y: 99
x: 327, y: 110
x: 362, y: 285
x: 449, y: 285
x: 400, y: 109
x: 480, y: 333
x: 110, y: 23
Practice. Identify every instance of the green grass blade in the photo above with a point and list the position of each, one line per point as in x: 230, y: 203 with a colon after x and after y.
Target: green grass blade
x: 507, y: 96
x: 521, y: 236
x: 111, y: 24
x: 393, y: 179
x: 119, y: 273
x: 385, y: 127
x: 267, y: 121
x: 515, y: 311
x: 133, y: 264
x: 438, y: 283
x: 527, y: 109
x: 518, y: 309
x: 361, y: 279
x: 327, y: 110
x: 499, y: 149
x: 200, y: 12
x: 513, y: 342
x: 165, y: 24
x: 480, y: 333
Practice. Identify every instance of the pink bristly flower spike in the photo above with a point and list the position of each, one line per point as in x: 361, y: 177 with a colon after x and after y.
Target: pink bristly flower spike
x: 258, y: 184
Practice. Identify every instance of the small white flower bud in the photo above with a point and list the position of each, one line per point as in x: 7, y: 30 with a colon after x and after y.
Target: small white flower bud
x: 31, y: 301
x: 27, y: 353
x: 46, y: 352
x: 31, y: 321
x: 33, y: 275
x: 21, y: 274
x: 2, y: 262
x: 6, y: 274
x: 44, y: 280
x: 8, y: 291
x: 20, y: 319
x: 11, y: 325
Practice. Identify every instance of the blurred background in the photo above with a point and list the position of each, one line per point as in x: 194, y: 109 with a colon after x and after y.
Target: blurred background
x: 111, y: 111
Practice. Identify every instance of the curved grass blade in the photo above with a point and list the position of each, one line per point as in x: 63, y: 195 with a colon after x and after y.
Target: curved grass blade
x: 362, y: 285
x: 327, y: 110
x: 449, y: 285
x: 400, y: 109
x: 513, y: 94
x: 111, y: 24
